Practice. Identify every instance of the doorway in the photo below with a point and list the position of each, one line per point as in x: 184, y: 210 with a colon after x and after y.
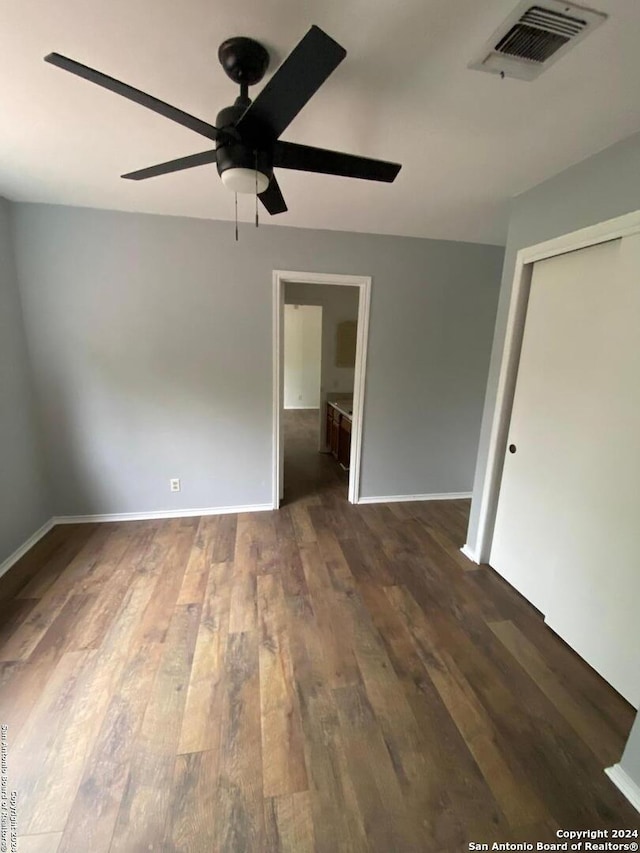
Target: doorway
x: 344, y: 301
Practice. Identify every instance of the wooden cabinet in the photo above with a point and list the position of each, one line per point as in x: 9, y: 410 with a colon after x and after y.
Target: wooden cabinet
x: 344, y: 442
x: 334, y: 435
x: 329, y: 428
x: 339, y: 434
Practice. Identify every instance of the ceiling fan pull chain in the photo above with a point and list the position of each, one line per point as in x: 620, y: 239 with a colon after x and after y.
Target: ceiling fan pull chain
x: 236, y: 195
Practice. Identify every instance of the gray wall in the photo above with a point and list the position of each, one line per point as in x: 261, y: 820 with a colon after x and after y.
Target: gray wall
x: 151, y: 340
x: 601, y: 187
x: 24, y: 492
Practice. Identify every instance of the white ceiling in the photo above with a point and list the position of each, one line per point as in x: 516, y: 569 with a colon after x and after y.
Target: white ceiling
x: 468, y: 141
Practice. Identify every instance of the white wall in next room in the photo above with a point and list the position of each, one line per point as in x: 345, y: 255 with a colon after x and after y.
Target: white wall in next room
x: 302, y: 356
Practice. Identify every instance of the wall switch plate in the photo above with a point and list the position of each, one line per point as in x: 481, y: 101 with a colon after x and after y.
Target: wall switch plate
x: 174, y: 484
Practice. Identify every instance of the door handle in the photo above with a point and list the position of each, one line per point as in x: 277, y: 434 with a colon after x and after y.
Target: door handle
x: 512, y: 448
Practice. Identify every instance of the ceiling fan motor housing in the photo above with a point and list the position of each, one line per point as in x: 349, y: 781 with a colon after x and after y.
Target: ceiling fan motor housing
x: 232, y: 152
x: 235, y: 155
x: 228, y: 116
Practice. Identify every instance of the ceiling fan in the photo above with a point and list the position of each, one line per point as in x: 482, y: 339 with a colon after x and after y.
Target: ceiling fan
x: 247, y: 134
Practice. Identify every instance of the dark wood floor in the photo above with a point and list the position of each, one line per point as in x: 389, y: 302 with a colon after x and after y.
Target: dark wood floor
x: 327, y: 677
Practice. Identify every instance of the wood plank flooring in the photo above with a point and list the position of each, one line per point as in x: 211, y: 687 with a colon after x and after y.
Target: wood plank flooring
x: 324, y: 678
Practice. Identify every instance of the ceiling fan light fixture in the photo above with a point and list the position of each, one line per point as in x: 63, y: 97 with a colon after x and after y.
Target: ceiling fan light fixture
x: 240, y: 180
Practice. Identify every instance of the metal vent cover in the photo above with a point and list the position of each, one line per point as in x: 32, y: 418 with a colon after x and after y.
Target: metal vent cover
x: 534, y: 36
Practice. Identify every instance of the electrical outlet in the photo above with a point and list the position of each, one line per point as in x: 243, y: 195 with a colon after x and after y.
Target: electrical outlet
x: 174, y: 484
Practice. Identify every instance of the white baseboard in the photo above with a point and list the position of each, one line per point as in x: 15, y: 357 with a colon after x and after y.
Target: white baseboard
x: 26, y: 546
x: 387, y: 499
x: 163, y: 513
x: 471, y: 555
x: 625, y: 784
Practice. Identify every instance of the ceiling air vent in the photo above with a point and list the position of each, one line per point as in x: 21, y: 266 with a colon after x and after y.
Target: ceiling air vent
x: 534, y: 36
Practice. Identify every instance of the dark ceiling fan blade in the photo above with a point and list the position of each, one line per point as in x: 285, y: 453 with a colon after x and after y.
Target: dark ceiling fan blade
x: 172, y: 166
x: 294, y: 83
x: 272, y: 198
x: 148, y: 101
x: 306, y: 158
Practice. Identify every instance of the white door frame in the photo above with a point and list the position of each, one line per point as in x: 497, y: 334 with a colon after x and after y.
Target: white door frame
x: 363, y: 283
x: 612, y: 229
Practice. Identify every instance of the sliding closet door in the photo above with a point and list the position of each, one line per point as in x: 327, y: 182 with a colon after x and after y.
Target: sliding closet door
x: 568, y: 524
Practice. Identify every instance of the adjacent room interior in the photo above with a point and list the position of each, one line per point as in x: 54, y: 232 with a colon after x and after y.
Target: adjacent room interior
x: 320, y: 344
x: 319, y: 438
